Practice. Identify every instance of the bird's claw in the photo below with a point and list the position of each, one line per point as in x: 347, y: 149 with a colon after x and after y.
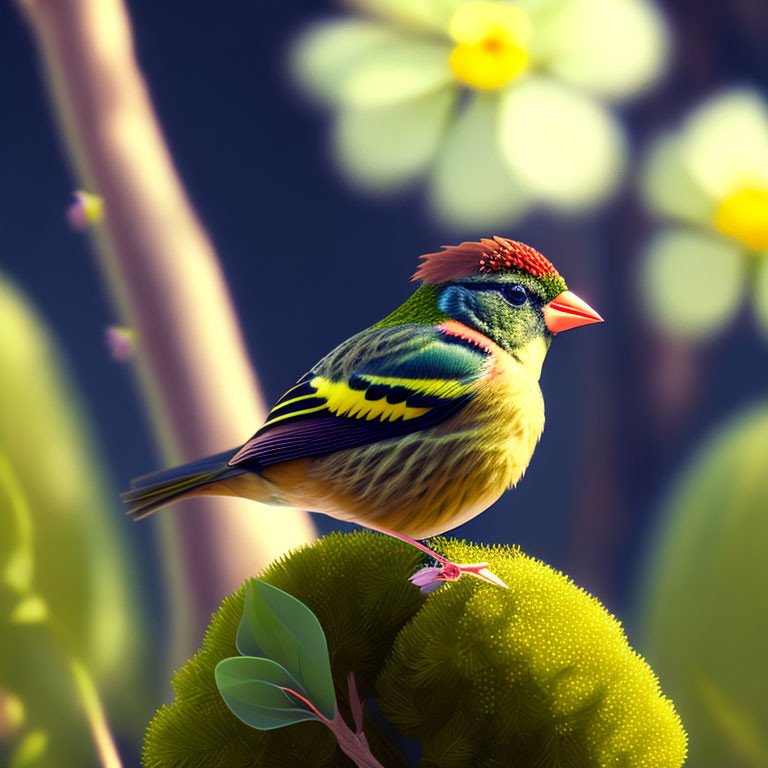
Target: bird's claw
x: 430, y: 578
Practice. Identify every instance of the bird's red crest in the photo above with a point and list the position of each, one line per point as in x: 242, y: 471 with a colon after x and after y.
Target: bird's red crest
x: 454, y: 262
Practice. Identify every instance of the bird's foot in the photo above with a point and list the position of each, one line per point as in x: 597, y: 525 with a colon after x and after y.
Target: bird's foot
x: 430, y: 578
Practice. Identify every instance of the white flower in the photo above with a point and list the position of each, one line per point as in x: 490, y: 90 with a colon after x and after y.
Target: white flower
x: 709, y: 182
x: 499, y: 103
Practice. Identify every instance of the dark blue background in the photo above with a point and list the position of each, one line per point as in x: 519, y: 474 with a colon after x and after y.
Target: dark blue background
x: 310, y: 262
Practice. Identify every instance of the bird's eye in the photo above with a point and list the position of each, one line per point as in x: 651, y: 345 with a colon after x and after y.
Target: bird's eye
x: 515, y: 294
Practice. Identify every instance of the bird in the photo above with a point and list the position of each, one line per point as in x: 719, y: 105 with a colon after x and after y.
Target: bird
x: 416, y: 424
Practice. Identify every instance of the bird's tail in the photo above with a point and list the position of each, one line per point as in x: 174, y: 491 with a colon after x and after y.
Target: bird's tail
x: 150, y: 492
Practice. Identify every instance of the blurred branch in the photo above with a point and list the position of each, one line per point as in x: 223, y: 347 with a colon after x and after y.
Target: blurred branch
x: 164, y: 275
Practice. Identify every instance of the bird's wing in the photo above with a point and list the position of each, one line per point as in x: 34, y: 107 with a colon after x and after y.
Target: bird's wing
x: 380, y: 384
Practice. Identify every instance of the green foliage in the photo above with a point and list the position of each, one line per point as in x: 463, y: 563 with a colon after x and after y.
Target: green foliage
x: 251, y: 687
x: 281, y: 628
x: 704, y: 596
x: 536, y: 675
x: 66, y: 590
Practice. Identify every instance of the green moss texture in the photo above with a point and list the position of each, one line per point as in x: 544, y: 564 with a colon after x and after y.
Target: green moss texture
x: 536, y: 675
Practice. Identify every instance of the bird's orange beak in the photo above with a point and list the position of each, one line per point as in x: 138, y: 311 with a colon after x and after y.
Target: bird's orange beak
x: 568, y: 311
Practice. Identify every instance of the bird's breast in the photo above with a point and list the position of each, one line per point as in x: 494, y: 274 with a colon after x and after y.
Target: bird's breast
x: 508, y: 413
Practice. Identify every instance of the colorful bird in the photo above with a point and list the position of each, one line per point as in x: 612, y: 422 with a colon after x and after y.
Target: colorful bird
x: 417, y: 424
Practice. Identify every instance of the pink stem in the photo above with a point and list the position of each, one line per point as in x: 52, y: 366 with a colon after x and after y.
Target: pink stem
x: 355, y: 704
x: 353, y: 745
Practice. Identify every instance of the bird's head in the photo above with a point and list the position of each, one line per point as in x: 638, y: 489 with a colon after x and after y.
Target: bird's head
x: 506, y: 290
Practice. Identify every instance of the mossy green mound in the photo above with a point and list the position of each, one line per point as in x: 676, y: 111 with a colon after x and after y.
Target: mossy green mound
x: 537, y: 675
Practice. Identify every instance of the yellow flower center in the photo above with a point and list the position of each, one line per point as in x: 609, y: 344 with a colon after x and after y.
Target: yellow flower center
x: 744, y: 215
x: 491, y: 40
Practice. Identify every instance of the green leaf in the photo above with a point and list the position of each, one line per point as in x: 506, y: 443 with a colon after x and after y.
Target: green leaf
x: 704, y: 608
x: 258, y: 702
x: 281, y: 628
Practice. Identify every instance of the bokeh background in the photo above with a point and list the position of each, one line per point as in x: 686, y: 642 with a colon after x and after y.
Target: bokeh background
x: 310, y: 259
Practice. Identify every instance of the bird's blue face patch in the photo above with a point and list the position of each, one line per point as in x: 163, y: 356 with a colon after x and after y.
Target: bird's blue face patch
x: 508, y: 312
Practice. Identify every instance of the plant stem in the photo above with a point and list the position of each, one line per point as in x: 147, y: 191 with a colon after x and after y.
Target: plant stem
x: 162, y: 271
x: 353, y: 745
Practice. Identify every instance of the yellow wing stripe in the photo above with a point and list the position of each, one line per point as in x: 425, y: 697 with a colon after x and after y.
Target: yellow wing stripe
x: 449, y: 388
x: 342, y: 400
x: 293, y: 414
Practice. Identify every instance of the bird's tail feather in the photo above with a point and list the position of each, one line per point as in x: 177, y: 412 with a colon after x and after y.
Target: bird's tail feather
x: 150, y: 492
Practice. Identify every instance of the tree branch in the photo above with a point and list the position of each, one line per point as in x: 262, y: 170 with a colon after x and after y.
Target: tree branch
x: 162, y: 271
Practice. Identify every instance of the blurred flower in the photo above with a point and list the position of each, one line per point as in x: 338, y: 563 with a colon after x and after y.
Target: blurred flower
x: 86, y: 210
x: 498, y: 102
x: 709, y: 182
x: 121, y: 342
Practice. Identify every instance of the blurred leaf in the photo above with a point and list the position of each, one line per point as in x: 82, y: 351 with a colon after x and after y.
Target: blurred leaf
x: 572, y: 154
x: 760, y: 291
x: 63, y: 556
x: 705, y: 595
x: 251, y: 688
x: 471, y: 185
x: 691, y: 283
x: 281, y: 628
x: 388, y: 147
